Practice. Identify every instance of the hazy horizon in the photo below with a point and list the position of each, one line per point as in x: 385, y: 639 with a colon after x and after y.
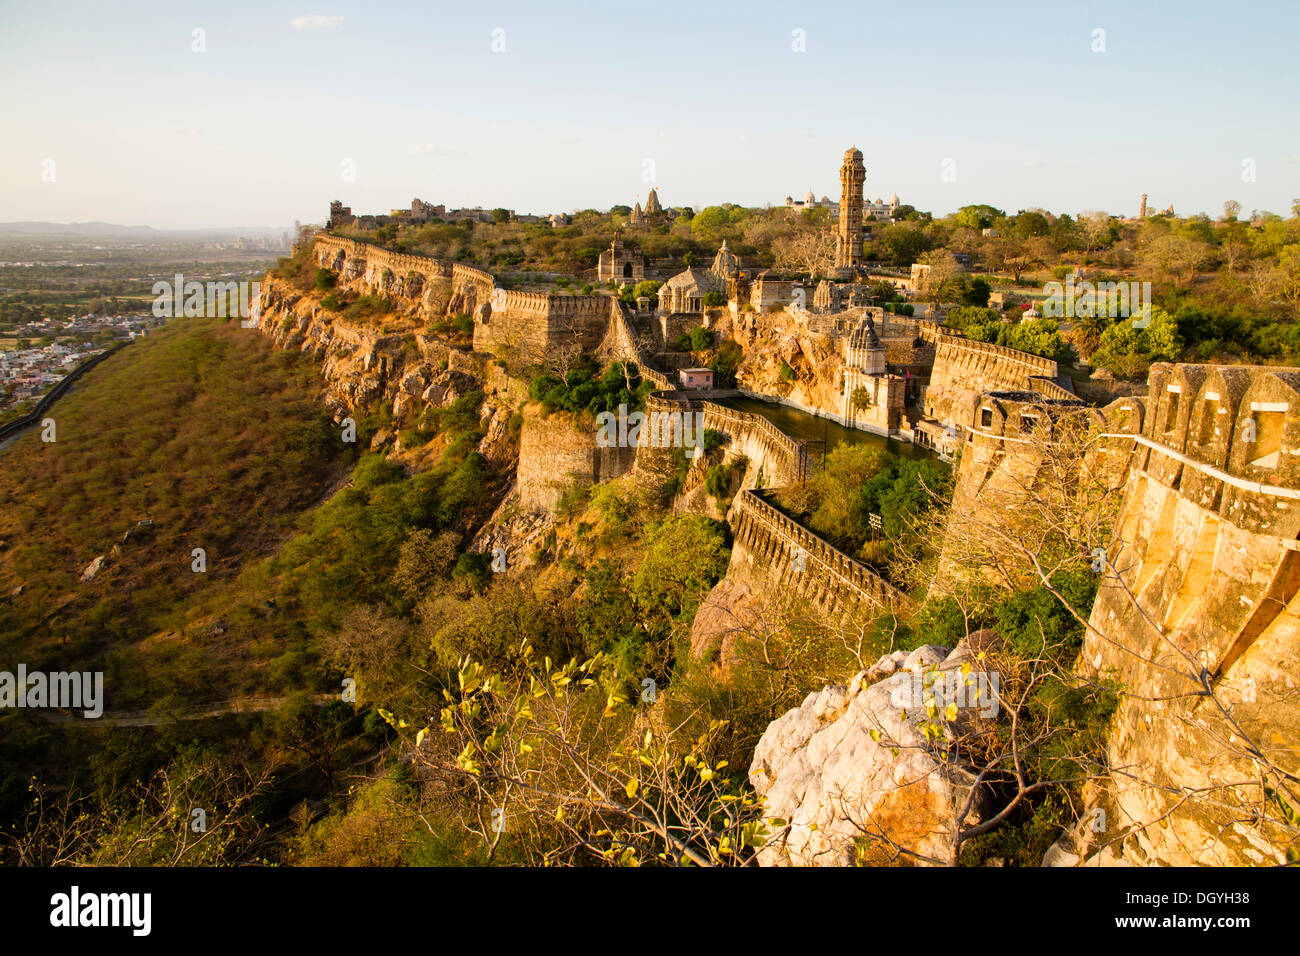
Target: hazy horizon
x: 589, y: 108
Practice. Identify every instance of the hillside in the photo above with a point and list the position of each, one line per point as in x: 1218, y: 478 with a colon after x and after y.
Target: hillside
x: 201, y: 436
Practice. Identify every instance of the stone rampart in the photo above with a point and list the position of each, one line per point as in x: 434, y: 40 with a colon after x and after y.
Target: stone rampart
x: 774, y: 546
x: 964, y: 368
x: 782, y: 459
x: 1206, y: 572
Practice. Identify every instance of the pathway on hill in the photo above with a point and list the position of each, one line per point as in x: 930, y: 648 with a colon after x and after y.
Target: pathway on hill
x: 147, y: 718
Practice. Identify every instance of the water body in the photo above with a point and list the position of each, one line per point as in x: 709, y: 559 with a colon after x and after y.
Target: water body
x: 799, y: 424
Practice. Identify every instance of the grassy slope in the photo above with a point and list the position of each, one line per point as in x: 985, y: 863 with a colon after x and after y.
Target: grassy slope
x: 204, y: 428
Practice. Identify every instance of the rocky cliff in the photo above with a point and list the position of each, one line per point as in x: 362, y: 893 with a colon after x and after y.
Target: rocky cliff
x: 769, y: 344
x: 389, y: 361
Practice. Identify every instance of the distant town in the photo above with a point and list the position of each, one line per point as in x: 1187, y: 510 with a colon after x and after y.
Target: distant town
x: 29, y: 369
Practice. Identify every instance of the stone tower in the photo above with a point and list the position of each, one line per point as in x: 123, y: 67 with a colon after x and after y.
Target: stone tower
x: 1142, y: 209
x: 848, y: 239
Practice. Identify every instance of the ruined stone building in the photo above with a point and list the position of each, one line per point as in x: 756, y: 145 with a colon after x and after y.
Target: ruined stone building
x: 618, y: 264
x: 340, y: 215
x: 767, y: 292
x: 422, y: 211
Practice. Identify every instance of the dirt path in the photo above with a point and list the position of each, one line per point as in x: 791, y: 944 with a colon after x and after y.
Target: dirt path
x: 145, y: 718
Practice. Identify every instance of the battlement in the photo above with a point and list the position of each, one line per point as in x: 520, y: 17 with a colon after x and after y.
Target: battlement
x: 1224, y: 437
x: 469, y: 275
x: 620, y: 345
x: 330, y: 248
x: 1019, y: 364
x: 780, y: 458
x: 548, y: 305
x: 774, y: 544
x: 1205, y: 545
x: 790, y: 454
x: 964, y: 368
x: 352, y: 258
x: 1012, y: 415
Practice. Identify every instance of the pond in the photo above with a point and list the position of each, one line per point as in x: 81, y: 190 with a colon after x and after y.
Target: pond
x: 800, y: 424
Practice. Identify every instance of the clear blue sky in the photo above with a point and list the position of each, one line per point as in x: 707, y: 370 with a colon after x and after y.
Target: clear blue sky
x: 255, y: 130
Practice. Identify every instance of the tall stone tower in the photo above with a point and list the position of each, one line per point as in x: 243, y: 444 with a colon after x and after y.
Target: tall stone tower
x: 848, y: 238
x: 1142, y: 209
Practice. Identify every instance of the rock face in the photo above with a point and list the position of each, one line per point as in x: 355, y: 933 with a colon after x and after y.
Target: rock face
x: 855, y: 762
x: 94, y: 568
x: 360, y: 364
x: 516, y: 531
x: 817, y: 364
x: 731, y: 611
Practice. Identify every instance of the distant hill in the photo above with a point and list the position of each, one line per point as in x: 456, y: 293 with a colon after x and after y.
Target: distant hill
x: 73, y: 229
x: 110, y: 230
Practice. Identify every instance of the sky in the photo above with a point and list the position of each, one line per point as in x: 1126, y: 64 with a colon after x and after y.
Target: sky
x: 122, y: 112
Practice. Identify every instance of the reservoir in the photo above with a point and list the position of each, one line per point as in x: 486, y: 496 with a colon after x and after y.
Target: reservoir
x: 800, y: 424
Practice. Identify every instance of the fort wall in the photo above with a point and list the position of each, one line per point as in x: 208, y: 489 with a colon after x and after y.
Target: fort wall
x: 1198, y: 612
x: 525, y: 323
x: 964, y: 368
x: 555, y: 452
x: 775, y: 549
x: 781, y: 459
x: 1208, y: 573
x: 532, y: 323
x: 620, y: 345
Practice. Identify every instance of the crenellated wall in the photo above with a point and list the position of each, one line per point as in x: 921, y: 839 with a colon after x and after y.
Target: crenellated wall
x: 440, y: 287
x: 964, y: 368
x: 782, y: 459
x: 620, y: 345
x: 1206, y: 549
x: 778, y: 551
x: 533, y: 323
x: 526, y: 323
x: 1201, y: 589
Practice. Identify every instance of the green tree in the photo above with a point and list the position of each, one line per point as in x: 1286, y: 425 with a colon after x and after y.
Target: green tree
x: 1129, y: 346
x: 977, y: 217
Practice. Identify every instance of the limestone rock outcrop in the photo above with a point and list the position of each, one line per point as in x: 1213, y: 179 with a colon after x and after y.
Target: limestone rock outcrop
x: 852, y: 770
x: 817, y: 364
x: 94, y: 568
x: 730, y: 611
